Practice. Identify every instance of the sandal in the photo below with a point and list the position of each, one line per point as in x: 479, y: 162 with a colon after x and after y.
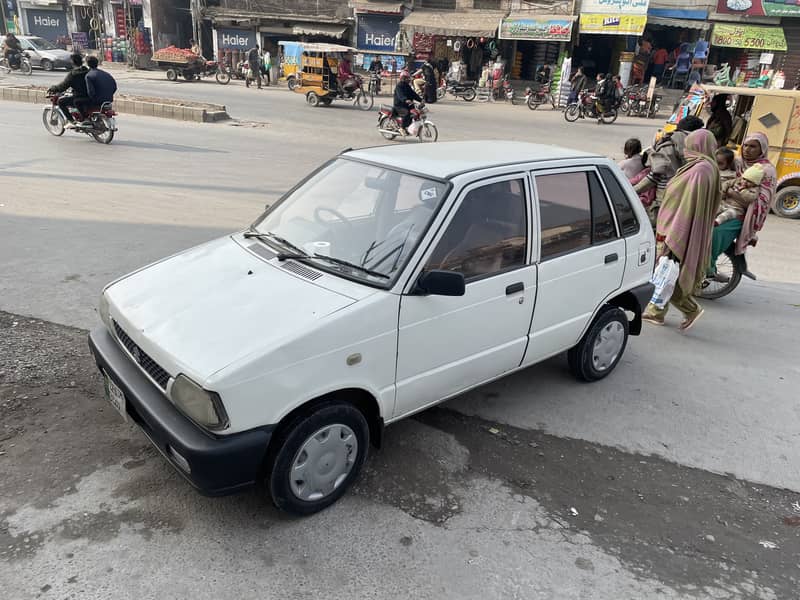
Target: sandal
x: 688, y: 322
x: 653, y: 320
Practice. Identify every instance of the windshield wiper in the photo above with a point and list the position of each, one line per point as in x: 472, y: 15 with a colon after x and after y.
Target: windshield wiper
x: 336, y: 261
x: 272, y: 236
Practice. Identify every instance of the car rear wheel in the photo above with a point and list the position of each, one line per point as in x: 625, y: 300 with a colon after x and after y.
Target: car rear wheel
x: 318, y: 455
x: 787, y: 202
x: 601, y: 347
x: 46, y: 65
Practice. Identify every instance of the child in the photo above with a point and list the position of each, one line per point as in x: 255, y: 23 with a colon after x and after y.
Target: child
x: 725, y: 163
x: 633, y: 163
x: 738, y: 194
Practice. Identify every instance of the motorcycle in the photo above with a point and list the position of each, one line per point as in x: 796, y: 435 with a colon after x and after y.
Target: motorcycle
x: 586, y: 106
x: 374, y: 84
x: 638, y: 105
x: 390, y: 125
x: 24, y: 66
x: 464, y: 90
x: 507, y: 90
x: 542, y: 95
x: 99, y: 122
x: 730, y: 269
x: 629, y: 97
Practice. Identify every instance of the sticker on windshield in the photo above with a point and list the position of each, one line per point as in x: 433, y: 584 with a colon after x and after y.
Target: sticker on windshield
x: 428, y: 194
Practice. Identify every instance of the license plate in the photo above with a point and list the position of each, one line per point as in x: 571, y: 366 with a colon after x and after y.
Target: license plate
x: 115, y: 396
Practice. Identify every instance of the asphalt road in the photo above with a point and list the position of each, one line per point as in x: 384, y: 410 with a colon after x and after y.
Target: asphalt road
x: 449, y: 509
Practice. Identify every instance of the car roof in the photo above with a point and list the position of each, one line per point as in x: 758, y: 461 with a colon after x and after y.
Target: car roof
x: 447, y: 159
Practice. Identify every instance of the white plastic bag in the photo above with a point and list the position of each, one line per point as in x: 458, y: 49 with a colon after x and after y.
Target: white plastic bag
x: 414, y: 127
x: 664, y: 278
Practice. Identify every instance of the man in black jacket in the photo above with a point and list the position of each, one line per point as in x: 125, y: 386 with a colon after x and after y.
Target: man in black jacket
x: 99, y: 84
x: 75, y: 79
x: 404, y: 97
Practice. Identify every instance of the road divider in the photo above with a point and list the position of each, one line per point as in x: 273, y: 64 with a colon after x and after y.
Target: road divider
x: 166, y: 108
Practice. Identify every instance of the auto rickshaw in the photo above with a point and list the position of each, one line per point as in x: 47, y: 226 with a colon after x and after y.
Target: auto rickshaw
x: 775, y: 113
x: 317, y: 79
x: 290, y: 57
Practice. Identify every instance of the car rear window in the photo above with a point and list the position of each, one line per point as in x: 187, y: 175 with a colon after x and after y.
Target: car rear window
x: 628, y: 223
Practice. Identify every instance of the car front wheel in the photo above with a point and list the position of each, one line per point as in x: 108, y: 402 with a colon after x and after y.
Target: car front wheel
x: 318, y: 455
x: 601, y: 347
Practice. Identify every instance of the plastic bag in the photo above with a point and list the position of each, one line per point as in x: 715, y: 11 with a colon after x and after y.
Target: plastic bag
x: 413, y: 129
x: 664, y: 278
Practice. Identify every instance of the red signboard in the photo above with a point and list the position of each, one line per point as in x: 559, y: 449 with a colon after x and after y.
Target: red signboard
x: 760, y: 8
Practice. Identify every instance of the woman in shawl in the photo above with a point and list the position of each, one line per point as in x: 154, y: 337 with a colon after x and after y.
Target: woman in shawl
x: 720, y: 122
x: 685, y: 220
x: 754, y: 151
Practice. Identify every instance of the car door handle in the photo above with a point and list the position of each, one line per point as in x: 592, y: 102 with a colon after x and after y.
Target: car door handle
x: 611, y: 258
x: 514, y: 288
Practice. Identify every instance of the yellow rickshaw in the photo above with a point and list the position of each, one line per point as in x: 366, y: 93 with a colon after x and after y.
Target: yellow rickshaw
x: 318, y: 81
x: 776, y: 114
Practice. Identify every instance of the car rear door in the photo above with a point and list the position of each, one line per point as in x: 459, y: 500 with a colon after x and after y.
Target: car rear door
x: 581, y: 257
x: 449, y: 344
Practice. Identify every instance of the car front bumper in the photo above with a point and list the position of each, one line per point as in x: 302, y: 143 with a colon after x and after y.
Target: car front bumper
x: 217, y: 465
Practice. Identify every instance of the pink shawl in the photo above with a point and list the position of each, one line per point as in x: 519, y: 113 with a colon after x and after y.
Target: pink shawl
x: 758, y: 210
x: 690, y: 204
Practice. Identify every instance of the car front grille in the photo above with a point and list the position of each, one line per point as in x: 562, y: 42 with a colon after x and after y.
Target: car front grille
x: 151, y: 367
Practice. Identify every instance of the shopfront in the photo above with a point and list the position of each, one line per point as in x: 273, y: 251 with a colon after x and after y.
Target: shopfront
x: 536, y: 40
x: 376, y: 37
x: 231, y: 44
x: 749, y: 49
x: 48, y: 22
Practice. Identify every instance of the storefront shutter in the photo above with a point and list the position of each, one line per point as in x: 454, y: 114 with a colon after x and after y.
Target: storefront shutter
x: 789, y: 61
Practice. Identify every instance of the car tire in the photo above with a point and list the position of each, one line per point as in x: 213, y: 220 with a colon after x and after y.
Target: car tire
x: 331, y: 470
x: 787, y: 202
x: 601, y: 347
x: 46, y: 65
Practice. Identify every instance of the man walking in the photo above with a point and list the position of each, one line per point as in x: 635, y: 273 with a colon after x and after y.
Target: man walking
x: 267, y: 67
x: 254, y: 62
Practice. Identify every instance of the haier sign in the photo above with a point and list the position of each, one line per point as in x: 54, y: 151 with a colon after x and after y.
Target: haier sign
x: 378, y: 33
x: 241, y: 39
x: 49, y: 24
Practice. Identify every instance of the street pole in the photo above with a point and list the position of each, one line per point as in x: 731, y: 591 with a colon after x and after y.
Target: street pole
x: 3, y: 15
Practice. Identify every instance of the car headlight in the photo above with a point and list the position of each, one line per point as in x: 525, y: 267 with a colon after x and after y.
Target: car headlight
x: 103, y: 309
x: 201, y: 406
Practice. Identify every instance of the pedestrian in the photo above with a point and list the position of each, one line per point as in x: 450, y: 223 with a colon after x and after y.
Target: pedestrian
x: 754, y: 151
x: 726, y: 161
x: 720, y: 122
x: 254, y: 63
x: 430, y: 82
x: 660, y: 58
x: 685, y: 221
x: 267, y: 62
x: 577, y: 84
x: 632, y: 165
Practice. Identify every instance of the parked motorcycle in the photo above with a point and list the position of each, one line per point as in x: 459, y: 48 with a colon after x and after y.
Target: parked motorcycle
x: 542, y: 95
x: 586, y: 106
x: 24, y: 66
x: 507, y: 90
x: 390, y: 124
x: 99, y: 122
x: 730, y: 269
x: 635, y: 103
x: 464, y: 90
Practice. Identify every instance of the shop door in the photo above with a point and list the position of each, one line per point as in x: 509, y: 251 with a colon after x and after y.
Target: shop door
x: 771, y: 116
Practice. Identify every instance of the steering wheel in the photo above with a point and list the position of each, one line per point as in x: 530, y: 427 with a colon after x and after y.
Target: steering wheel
x: 325, y: 209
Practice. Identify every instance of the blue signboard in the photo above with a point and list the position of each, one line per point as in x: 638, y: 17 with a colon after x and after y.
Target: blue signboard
x: 378, y: 32
x: 241, y: 39
x: 49, y: 24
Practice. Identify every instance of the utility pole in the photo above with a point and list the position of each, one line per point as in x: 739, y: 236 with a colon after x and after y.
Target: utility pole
x: 3, y: 15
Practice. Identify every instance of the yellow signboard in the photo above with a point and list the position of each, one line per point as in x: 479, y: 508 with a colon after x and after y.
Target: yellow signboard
x: 748, y: 36
x: 613, y: 24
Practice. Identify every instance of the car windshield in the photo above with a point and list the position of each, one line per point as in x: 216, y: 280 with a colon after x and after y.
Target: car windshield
x: 367, y: 219
x: 41, y: 44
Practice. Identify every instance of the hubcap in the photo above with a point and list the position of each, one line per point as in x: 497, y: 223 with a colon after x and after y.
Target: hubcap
x: 323, y: 462
x: 790, y: 202
x: 608, y: 345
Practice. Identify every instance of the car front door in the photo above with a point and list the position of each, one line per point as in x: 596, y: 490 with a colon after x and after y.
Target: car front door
x: 447, y: 344
x: 35, y: 58
x: 581, y: 259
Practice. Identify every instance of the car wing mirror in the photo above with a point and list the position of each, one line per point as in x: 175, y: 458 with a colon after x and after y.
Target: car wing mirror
x: 440, y: 283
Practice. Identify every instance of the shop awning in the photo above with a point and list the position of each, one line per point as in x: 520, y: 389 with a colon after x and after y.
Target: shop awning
x: 752, y: 37
x: 483, y: 23
x: 381, y: 8
x: 525, y: 26
x: 679, y: 23
x: 336, y: 31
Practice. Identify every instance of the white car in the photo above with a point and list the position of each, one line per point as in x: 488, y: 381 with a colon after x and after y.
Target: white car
x: 389, y: 280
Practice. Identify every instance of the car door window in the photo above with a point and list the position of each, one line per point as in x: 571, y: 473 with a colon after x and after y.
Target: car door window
x: 628, y: 223
x: 488, y: 233
x: 565, y: 213
x: 603, y: 228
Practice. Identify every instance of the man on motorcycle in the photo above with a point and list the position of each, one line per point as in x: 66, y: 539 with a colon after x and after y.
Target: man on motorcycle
x: 347, y: 79
x: 12, y: 50
x: 404, y: 98
x: 376, y: 68
x: 76, y: 80
x: 99, y: 84
x: 604, y: 93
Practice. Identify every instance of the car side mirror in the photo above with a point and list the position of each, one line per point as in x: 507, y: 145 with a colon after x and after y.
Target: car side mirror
x: 440, y: 283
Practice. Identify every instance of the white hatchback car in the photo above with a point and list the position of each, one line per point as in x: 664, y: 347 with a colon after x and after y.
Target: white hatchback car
x: 389, y: 280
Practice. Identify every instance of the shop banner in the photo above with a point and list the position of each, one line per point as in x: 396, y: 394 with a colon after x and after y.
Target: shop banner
x: 241, y: 39
x: 759, y: 8
x: 48, y: 24
x: 748, y: 36
x: 613, y: 24
x: 377, y: 32
x: 536, y: 28
x: 615, y: 7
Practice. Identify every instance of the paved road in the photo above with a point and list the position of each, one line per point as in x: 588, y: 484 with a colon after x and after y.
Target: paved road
x: 448, y: 509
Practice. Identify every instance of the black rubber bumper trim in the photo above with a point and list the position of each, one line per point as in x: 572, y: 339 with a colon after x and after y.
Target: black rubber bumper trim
x: 219, y: 464
x: 643, y: 293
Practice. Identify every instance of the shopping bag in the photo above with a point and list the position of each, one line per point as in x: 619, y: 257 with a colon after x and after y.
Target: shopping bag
x: 413, y: 129
x: 664, y: 278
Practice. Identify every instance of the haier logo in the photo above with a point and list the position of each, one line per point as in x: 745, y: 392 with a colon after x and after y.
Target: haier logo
x: 46, y: 22
x: 234, y: 40
x: 379, y: 39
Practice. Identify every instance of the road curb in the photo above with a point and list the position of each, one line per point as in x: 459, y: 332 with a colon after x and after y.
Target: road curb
x: 207, y: 113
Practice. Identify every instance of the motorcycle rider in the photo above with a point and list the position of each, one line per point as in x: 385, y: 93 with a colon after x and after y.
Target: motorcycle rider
x: 404, y: 97
x: 12, y: 50
x: 603, y: 92
x: 76, y: 80
x: 100, y: 84
x: 347, y: 79
x: 376, y: 68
